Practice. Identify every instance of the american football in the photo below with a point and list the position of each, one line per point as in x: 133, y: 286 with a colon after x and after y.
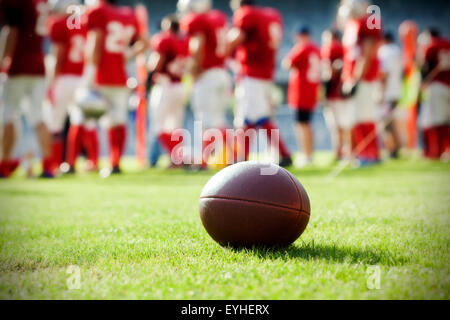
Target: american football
x: 212, y: 151
x: 240, y: 206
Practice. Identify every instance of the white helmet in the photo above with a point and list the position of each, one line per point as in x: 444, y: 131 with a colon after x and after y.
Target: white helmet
x: 198, y: 6
x: 60, y: 6
x: 92, y: 104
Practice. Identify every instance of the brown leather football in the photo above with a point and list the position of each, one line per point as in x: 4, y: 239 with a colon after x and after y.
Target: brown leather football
x: 242, y: 207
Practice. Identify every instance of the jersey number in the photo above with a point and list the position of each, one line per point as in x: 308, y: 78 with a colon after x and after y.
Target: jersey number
x: 76, y: 52
x: 118, y: 37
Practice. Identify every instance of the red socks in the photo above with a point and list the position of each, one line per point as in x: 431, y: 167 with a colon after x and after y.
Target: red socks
x: 366, y: 141
x: 7, y: 167
x: 117, y: 139
x: 269, y: 126
x: 284, y: 152
x: 73, y: 144
x: 57, y: 151
x: 91, y: 145
x: 436, y: 141
x: 166, y: 141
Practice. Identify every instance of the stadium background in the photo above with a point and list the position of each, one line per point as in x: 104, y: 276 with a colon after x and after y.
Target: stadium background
x: 319, y: 15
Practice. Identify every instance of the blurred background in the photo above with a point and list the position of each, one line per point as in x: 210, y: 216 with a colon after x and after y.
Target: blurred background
x: 318, y: 15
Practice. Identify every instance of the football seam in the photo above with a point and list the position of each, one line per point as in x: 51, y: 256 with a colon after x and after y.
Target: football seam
x: 257, y: 202
x: 296, y: 188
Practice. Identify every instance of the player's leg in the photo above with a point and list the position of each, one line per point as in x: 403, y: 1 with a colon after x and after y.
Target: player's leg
x: 13, y: 94
x: 74, y: 138
x: 90, y: 142
x: 62, y: 97
x: 221, y: 92
x: 344, y: 115
x: 36, y: 89
x: 117, y: 116
x: 304, y: 134
x: 167, y: 114
x: 329, y: 114
x: 439, y: 103
x: 366, y: 117
x: 391, y: 138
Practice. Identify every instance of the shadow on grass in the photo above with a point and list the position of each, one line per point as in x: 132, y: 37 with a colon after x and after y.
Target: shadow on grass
x: 329, y: 252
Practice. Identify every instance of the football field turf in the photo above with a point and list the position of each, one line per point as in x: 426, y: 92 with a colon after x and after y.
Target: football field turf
x: 374, y: 233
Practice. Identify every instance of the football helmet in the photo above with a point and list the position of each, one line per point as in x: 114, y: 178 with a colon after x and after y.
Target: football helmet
x: 92, y: 103
x: 60, y: 6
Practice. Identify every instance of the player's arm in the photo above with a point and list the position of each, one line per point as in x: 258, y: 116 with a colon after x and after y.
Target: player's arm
x: 197, y: 49
x: 8, y: 41
x: 291, y: 61
x: 368, y: 54
x: 93, y: 54
x: 58, y: 52
x: 156, y: 62
x: 235, y: 38
x: 138, y: 47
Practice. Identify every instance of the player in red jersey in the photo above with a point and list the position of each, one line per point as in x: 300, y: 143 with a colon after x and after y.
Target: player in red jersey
x: 304, y: 63
x: 168, y: 96
x: 68, y: 35
x: 22, y: 58
x: 338, y: 113
x: 361, y: 39
x: 255, y: 39
x: 206, y: 29
x: 435, y: 113
x: 113, y: 37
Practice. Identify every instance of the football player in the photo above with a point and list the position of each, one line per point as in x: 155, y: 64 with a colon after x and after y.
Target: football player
x: 68, y: 36
x: 113, y: 38
x: 206, y: 30
x: 22, y: 58
x: 167, y: 99
x: 255, y: 38
x: 435, y: 113
x: 391, y: 67
x: 361, y: 40
x: 304, y: 63
x: 338, y: 114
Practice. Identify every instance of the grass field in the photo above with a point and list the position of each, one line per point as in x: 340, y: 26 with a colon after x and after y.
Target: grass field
x: 140, y: 236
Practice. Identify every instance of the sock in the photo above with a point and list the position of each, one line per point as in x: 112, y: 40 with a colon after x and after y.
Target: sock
x: 269, y: 126
x: 47, y: 165
x: 57, y: 150
x: 444, y: 139
x: 7, y: 167
x: 372, y: 151
x: 73, y: 144
x: 431, y: 141
x: 91, y: 145
x: 117, y: 139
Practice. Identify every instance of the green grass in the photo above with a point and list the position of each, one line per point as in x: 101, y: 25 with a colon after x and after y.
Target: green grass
x: 140, y: 236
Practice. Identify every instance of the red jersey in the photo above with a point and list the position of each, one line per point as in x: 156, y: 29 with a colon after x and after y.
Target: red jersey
x: 120, y: 28
x: 334, y: 54
x: 73, y: 40
x: 29, y: 17
x: 213, y: 26
x: 263, y: 28
x: 305, y: 76
x: 355, y: 33
x: 438, y: 53
x: 173, y: 48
